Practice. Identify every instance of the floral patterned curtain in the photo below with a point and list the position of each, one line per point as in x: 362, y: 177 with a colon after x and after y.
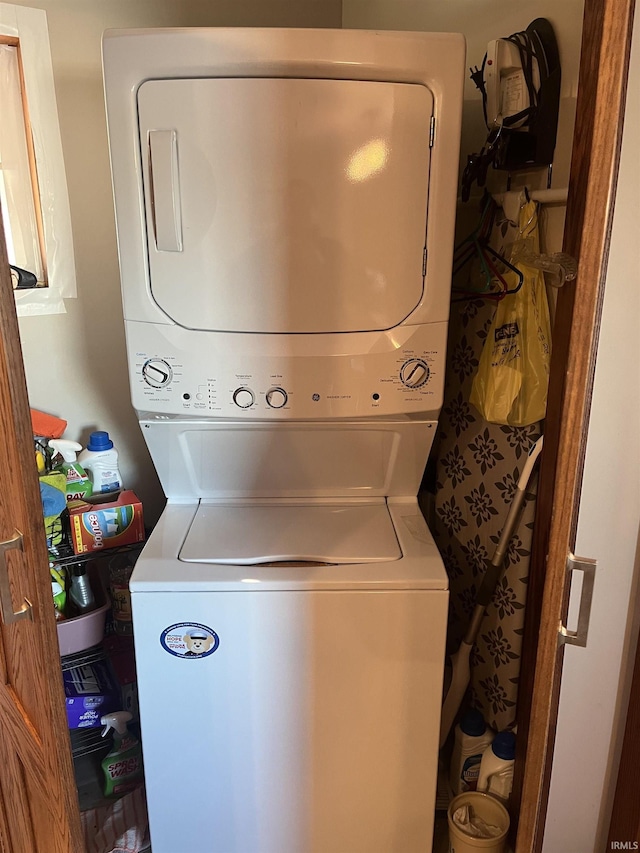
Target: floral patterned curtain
x: 478, y: 465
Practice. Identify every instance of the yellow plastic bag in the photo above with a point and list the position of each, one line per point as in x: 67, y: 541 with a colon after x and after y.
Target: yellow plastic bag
x: 511, y: 384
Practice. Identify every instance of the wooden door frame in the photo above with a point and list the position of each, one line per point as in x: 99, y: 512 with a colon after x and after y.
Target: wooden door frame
x: 604, y: 64
x: 39, y: 812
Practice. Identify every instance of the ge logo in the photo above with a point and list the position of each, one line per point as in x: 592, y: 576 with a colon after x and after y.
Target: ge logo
x: 315, y: 398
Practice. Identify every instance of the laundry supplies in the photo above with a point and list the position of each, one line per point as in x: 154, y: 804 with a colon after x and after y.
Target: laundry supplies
x: 496, y: 767
x: 100, y: 459
x: 78, y: 483
x: 95, y: 526
x: 90, y: 692
x: 122, y: 766
x: 472, y: 737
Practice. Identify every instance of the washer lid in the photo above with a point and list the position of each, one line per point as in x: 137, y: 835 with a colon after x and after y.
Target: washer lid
x: 252, y: 534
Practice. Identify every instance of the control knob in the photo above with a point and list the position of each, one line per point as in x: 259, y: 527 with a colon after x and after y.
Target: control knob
x: 156, y: 372
x: 243, y: 397
x: 414, y: 373
x: 276, y: 398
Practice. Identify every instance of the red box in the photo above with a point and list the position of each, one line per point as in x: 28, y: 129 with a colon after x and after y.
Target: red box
x: 96, y: 526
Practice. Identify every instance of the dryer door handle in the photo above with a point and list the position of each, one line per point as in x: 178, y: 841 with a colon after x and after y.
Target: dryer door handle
x: 165, y: 190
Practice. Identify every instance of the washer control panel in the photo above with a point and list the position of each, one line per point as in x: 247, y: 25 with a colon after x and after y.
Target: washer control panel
x: 175, y: 372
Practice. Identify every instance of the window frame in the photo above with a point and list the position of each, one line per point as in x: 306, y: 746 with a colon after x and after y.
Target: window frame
x: 26, y: 29
x: 12, y: 41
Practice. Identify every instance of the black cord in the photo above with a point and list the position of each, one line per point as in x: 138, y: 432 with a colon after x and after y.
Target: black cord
x: 531, y: 50
x: 477, y: 75
x: 528, y: 51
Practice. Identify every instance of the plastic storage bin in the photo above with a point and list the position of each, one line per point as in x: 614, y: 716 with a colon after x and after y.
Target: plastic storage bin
x: 490, y: 811
x: 83, y: 632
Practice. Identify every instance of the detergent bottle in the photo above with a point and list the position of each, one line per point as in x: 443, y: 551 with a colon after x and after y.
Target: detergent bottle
x: 472, y: 737
x: 78, y: 482
x: 496, y: 767
x: 122, y: 766
x: 100, y: 459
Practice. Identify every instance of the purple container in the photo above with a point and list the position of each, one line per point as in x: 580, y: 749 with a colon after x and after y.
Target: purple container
x: 91, y: 691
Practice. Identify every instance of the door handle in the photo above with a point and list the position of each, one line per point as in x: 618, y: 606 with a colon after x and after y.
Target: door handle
x: 10, y: 615
x: 588, y: 567
x: 165, y: 188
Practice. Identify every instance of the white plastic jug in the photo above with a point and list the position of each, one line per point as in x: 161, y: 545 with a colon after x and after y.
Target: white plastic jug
x: 472, y: 737
x: 496, y: 767
x: 100, y: 461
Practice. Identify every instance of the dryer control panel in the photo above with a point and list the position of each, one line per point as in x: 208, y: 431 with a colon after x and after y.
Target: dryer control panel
x: 235, y: 375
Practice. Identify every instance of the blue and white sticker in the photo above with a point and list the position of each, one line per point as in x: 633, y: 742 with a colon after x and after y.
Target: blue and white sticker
x: 189, y: 640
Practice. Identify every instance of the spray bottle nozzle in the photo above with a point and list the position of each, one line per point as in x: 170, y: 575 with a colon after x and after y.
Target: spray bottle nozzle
x: 116, y: 721
x: 67, y: 449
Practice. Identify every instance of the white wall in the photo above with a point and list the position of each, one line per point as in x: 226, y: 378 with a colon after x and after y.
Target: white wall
x: 480, y: 21
x: 75, y: 363
x: 594, y: 681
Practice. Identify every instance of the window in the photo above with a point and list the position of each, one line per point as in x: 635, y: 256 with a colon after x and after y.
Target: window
x: 19, y: 193
x: 33, y: 191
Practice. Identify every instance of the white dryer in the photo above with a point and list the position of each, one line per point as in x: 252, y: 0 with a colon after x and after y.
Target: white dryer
x: 285, y: 203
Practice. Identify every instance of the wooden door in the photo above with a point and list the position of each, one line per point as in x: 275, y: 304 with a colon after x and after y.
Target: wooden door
x: 38, y: 801
x: 596, y: 152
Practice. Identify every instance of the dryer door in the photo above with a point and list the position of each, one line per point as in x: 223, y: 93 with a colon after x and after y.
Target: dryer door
x: 285, y: 205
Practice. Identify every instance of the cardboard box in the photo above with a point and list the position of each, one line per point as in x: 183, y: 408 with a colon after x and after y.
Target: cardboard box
x: 91, y: 691
x: 95, y: 526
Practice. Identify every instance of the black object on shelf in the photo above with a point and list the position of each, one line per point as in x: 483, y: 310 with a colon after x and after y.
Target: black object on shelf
x: 22, y: 279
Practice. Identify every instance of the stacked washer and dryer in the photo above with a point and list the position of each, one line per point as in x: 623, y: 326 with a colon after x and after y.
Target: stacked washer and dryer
x: 285, y: 204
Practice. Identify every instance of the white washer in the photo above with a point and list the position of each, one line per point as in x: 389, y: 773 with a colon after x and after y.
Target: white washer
x: 285, y: 202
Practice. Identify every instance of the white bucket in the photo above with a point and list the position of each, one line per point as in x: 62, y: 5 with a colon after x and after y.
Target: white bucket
x: 491, y: 811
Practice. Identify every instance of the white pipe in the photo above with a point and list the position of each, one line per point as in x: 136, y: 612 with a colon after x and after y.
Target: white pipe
x: 511, y: 201
x: 558, y: 196
x: 543, y: 196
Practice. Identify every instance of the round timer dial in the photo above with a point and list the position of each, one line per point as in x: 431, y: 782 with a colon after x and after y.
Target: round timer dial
x: 276, y: 398
x: 243, y: 397
x: 157, y: 372
x: 414, y: 373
